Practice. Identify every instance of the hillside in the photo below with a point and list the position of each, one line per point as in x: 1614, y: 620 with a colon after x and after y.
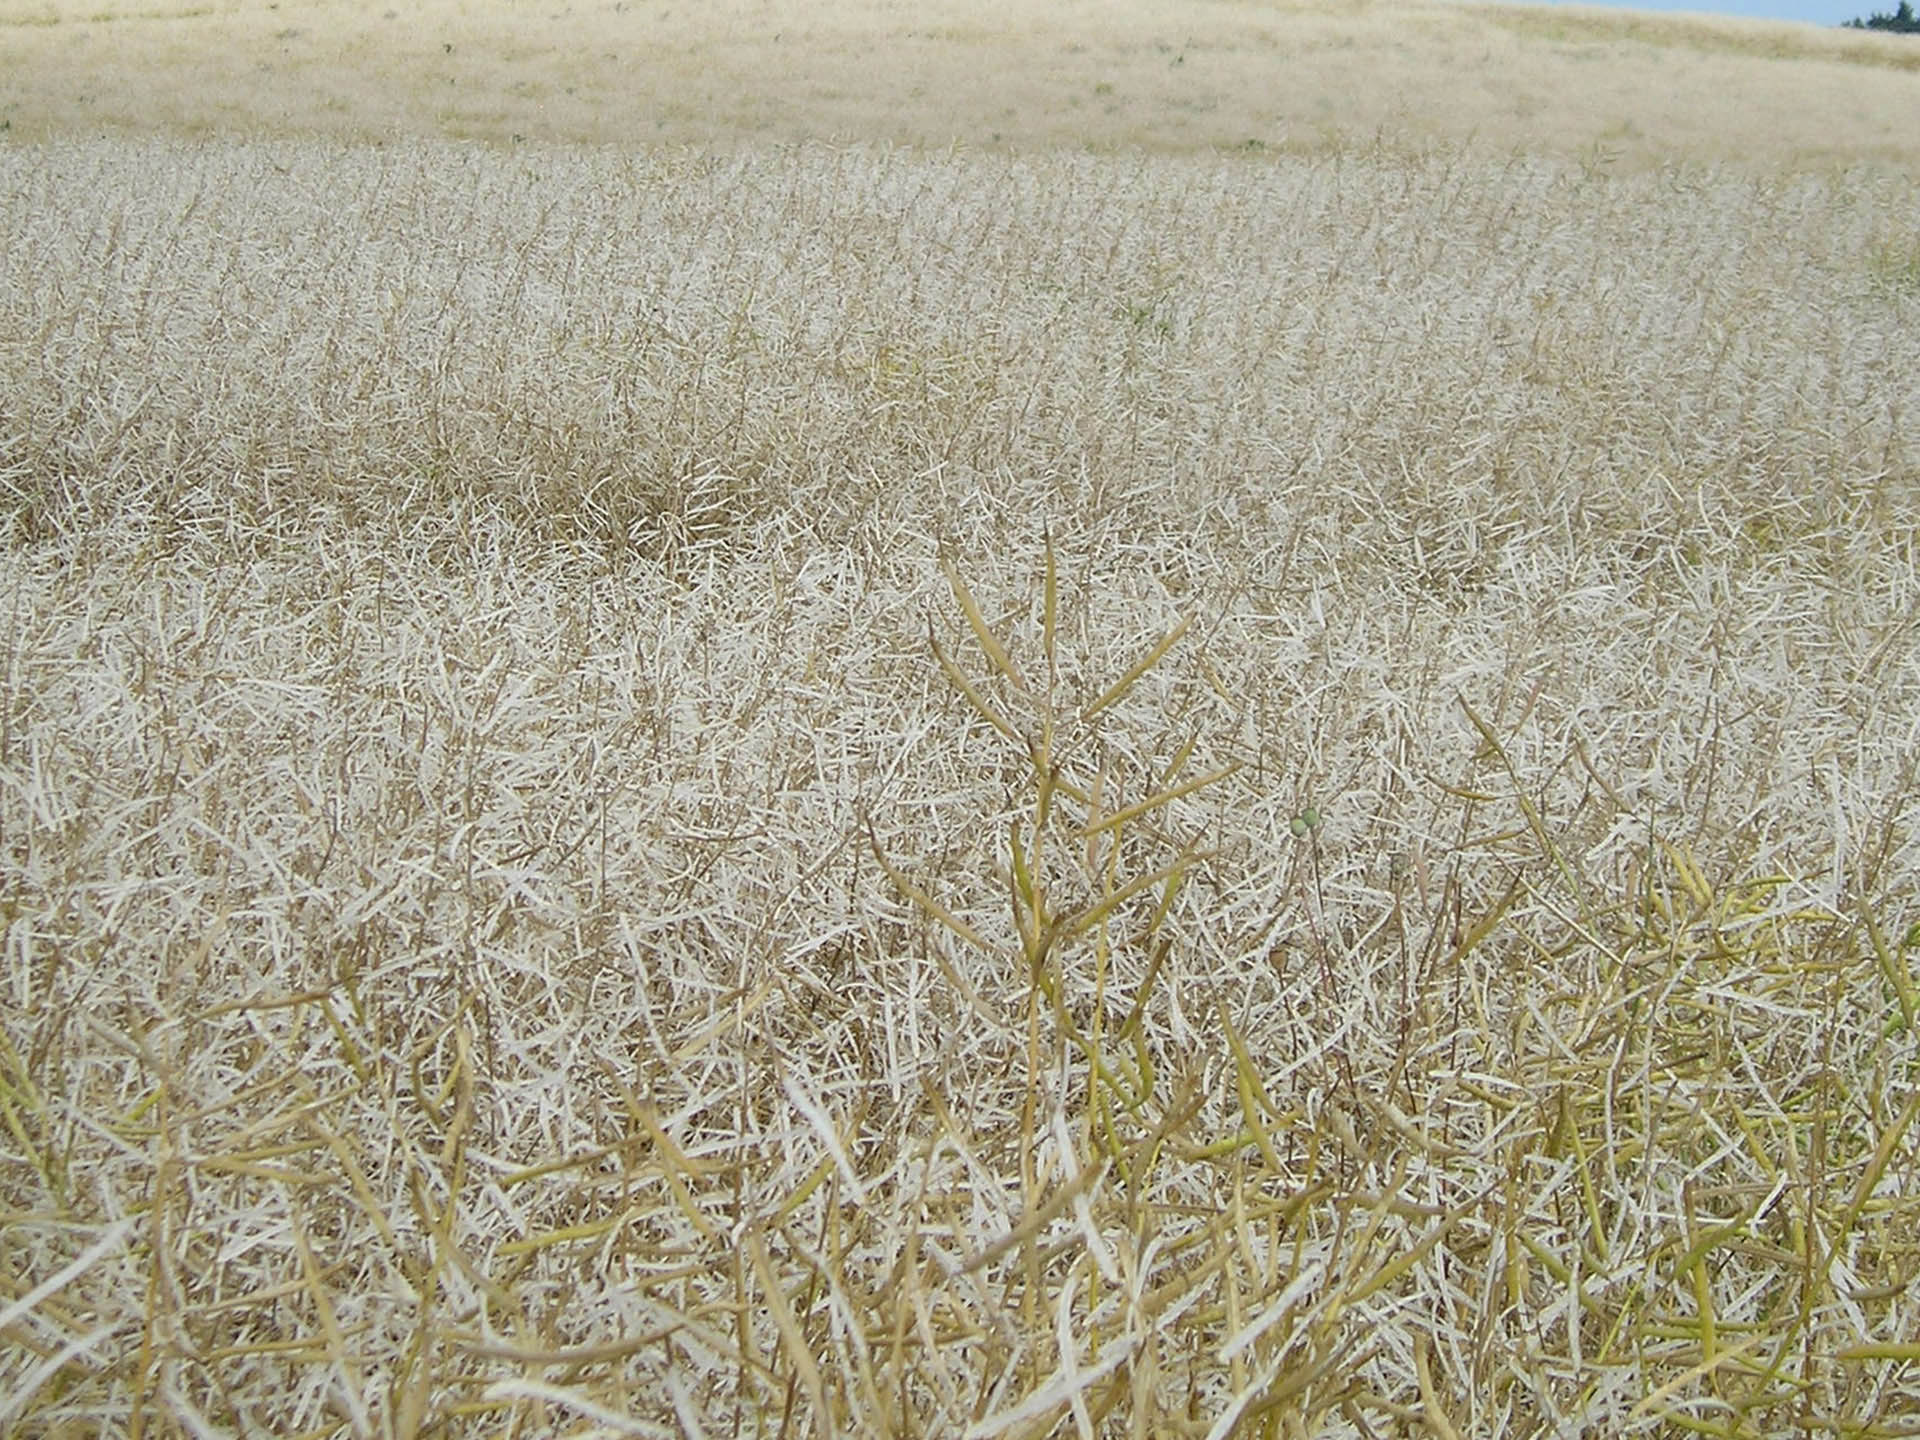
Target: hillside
x: 1627, y: 88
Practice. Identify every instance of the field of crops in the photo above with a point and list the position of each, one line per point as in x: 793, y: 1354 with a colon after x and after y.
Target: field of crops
x: 824, y: 789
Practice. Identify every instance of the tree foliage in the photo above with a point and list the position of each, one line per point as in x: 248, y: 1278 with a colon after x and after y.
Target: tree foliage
x: 1902, y: 20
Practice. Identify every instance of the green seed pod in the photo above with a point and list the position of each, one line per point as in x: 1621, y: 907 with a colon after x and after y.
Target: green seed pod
x: 1312, y: 817
x: 1299, y: 826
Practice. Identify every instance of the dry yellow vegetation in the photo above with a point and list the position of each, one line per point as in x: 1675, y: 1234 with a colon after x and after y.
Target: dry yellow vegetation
x: 851, y: 789
x: 1203, y: 74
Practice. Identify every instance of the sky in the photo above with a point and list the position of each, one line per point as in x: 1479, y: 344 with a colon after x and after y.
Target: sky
x: 1817, y: 12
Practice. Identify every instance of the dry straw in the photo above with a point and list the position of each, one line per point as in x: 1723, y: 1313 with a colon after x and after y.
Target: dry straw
x: 837, y: 792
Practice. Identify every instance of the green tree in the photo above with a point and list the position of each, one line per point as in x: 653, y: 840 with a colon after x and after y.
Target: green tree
x: 1902, y: 21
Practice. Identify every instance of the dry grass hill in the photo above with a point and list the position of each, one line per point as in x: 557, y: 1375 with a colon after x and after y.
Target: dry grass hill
x: 1179, y: 76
